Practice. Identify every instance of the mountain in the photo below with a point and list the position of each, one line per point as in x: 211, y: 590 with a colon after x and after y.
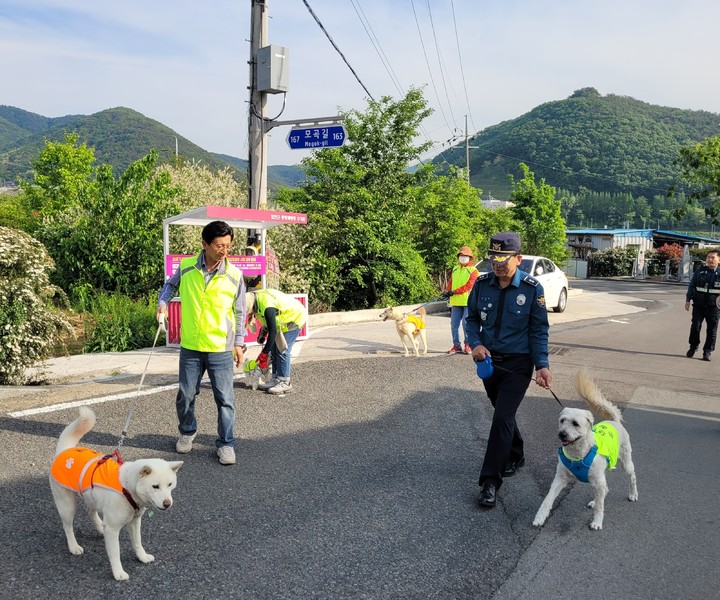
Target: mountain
x: 278, y: 175
x: 603, y: 143
x: 119, y: 136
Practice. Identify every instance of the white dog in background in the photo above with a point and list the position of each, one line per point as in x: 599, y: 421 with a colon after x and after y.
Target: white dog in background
x: 588, y: 451
x: 119, y: 492
x: 409, y: 327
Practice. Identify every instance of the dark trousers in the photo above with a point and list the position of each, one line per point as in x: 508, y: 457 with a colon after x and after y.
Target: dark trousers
x: 710, y: 316
x: 506, y: 388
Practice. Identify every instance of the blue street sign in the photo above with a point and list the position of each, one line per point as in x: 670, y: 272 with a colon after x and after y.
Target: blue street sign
x: 309, y: 138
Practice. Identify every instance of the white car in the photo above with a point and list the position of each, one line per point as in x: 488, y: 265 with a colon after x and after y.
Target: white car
x: 552, y: 278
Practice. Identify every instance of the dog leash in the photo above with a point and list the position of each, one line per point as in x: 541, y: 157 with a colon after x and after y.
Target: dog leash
x: 131, y: 412
x: 423, y: 305
x: 495, y: 366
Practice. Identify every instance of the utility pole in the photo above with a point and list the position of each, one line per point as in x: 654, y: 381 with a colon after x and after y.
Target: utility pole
x: 257, y: 152
x: 467, y: 151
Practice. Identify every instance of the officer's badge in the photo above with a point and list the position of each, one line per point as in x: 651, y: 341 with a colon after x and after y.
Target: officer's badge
x: 520, y: 299
x: 483, y: 316
x: 541, y: 300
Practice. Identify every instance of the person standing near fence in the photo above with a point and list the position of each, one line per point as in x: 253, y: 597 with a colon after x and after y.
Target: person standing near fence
x: 704, y: 292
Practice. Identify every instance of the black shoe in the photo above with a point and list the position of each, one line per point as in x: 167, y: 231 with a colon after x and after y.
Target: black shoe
x: 690, y: 353
x: 512, y: 468
x: 488, y: 493
x: 706, y: 356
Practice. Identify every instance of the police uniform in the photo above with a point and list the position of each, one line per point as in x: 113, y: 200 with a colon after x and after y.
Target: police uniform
x: 704, y: 291
x: 512, y: 323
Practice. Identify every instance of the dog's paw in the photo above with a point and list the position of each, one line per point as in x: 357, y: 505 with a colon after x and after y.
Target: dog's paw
x: 595, y: 526
x: 538, y: 522
x: 591, y: 504
x: 121, y: 575
x: 145, y: 558
x: 633, y: 497
x: 77, y: 549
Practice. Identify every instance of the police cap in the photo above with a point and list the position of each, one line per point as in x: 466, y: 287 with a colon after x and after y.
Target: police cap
x: 503, y: 246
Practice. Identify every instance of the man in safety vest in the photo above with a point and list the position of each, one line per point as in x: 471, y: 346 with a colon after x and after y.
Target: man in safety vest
x: 282, y: 317
x: 212, y: 334
x: 457, y: 290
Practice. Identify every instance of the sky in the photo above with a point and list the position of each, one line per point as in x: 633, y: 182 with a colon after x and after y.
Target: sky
x: 185, y: 63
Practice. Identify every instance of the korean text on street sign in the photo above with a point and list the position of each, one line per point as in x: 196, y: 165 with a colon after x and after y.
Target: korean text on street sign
x: 308, y: 138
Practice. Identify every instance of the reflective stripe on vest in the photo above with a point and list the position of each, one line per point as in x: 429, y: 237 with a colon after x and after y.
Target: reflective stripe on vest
x: 207, y: 313
x: 460, y: 276
x: 290, y: 310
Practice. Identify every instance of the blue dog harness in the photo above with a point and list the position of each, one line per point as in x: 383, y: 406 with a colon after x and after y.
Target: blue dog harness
x: 608, y: 437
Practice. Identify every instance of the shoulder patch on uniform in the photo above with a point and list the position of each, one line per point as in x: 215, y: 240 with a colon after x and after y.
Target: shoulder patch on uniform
x: 482, y: 276
x: 531, y: 280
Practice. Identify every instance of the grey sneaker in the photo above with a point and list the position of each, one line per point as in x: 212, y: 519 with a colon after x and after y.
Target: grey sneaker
x: 270, y: 384
x: 282, y: 387
x: 184, y: 443
x: 226, y: 455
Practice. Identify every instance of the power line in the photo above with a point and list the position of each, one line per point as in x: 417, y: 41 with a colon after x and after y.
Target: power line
x: 462, y: 71
x: 376, y: 44
x: 427, y: 62
x: 440, y: 62
x: 337, y: 49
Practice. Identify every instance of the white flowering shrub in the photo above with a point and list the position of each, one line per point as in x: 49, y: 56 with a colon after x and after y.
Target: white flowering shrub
x: 29, y: 324
x: 200, y: 186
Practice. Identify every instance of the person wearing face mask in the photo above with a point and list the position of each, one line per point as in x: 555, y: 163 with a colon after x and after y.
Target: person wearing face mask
x: 457, y: 290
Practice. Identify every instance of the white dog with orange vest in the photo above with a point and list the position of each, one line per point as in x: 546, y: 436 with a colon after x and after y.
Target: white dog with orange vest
x: 120, y: 492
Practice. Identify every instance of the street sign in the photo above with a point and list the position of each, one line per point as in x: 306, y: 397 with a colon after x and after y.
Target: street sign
x: 309, y: 138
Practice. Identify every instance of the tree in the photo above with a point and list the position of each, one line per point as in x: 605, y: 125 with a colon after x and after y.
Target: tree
x: 111, y: 239
x: 538, y: 213
x: 700, y: 168
x: 358, y: 199
x: 62, y: 175
x: 198, y: 185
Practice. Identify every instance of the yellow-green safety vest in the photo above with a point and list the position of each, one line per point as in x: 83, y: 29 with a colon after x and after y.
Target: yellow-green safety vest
x: 207, y: 313
x: 289, y: 309
x: 460, y: 276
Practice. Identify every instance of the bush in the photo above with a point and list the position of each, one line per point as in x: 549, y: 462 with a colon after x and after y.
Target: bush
x: 115, y: 323
x: 30, y: 326
x: 614, y: 262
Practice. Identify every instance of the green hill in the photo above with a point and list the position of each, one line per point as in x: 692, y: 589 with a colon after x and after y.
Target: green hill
x: 602, y: 143
x: 120, y: 136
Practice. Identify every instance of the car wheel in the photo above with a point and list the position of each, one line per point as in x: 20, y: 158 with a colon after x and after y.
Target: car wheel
x: 562, y: 301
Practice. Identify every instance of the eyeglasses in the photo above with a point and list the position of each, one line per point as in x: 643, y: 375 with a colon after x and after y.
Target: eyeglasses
x: 220, y: 247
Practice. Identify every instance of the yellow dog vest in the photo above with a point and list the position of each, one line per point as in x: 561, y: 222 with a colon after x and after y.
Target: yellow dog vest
x: 417, y: 321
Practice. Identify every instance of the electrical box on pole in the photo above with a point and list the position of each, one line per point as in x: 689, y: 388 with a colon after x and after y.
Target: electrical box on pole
x: 273, y: 69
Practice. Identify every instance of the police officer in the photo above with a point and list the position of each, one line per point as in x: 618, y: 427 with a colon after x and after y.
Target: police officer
x: 704, y: 291
x: 507, y: 320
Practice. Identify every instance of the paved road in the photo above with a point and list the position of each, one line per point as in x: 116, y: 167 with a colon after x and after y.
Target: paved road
x: 362, y: 484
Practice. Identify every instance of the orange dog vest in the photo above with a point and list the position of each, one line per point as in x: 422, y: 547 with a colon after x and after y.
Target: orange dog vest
x: 77, y: 469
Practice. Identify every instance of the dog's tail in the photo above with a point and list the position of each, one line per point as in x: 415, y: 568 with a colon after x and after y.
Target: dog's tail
x: 74, y: 432
x: 421, y: 313
x: 597, y: 403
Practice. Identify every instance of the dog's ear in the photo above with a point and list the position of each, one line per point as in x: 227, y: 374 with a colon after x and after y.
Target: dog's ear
x: 175, y: 465
x: 589, y: 416
x: 145, y: 471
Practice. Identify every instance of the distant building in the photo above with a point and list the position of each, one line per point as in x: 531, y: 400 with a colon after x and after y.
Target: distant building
x: 494, y: 203
x: 582, y: 242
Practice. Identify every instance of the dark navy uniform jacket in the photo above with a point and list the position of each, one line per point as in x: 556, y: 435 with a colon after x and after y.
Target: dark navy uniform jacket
x: 704, y: 288
x: 523, y: 327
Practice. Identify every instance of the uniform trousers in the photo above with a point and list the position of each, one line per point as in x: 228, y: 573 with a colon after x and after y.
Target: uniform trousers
x: 506, y: 389
x: 710, y: 316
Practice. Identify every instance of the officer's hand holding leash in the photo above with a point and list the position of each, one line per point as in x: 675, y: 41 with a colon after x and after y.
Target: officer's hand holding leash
x: 543, y: 377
